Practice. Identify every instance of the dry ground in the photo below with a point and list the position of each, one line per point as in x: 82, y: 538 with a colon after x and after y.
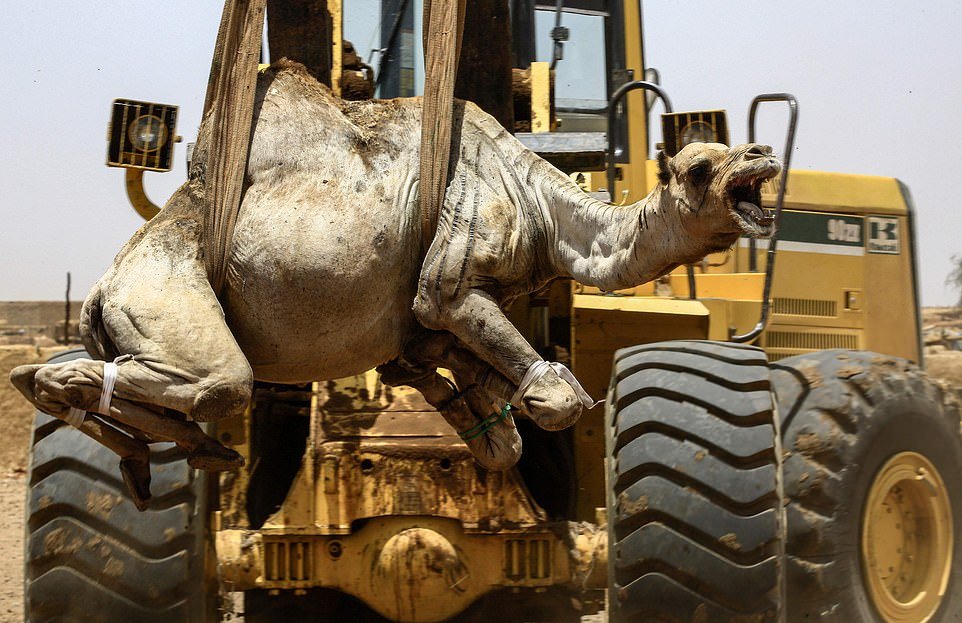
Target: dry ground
x: 11, y: 548
x: 17, y: 416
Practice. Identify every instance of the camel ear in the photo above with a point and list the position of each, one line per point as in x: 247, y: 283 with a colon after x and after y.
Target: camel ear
x: 23, y: 378
x: 664, y: 175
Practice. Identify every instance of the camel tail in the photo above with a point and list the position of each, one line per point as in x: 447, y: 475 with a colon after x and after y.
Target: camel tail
x: 92, y: 329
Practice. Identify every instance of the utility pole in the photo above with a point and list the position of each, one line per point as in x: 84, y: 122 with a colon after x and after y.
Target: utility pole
x: 66, y: 318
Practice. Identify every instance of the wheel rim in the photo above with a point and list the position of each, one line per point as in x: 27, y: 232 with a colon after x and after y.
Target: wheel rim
x: 907, y: 539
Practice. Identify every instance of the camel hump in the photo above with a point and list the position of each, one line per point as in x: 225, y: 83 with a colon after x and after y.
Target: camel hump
x: 301, y: 77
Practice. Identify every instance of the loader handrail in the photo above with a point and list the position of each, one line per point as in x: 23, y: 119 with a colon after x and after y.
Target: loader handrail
x: 783, y: 184
x: 612, y: 118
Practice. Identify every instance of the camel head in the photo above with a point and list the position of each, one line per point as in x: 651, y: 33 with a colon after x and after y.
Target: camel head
x: 718, y: 190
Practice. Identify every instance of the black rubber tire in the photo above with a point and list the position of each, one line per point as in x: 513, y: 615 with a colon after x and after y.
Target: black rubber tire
x: 694, y: 526
x: 844, y: 414
x: 90, y: 555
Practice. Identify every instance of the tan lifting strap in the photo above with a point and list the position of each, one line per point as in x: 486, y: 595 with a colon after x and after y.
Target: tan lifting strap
x: 230, y: 99
x: 442, y: 47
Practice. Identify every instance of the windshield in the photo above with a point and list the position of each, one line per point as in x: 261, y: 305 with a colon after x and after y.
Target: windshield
x: 580, y: 75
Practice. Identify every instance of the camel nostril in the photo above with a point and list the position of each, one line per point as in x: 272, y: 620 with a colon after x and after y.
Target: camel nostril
x: 756, y: 151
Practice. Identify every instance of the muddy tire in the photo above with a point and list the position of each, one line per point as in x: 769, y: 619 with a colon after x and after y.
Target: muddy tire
x: 863, y: 522
x: 90, y: 555
x: 694, y: 531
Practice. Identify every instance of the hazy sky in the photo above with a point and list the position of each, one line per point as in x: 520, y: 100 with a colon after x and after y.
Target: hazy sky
x: 879, y: 87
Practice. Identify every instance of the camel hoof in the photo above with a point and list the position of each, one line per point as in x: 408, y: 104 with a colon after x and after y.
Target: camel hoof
x: 213, y: 457
x: 499, y: 448
x: 551, y: 403
x: 496, y: 460
x: 23, y: 378
x: 136, y: 475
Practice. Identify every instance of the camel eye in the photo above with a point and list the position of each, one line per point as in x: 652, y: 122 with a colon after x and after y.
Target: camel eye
x: 698, y: 172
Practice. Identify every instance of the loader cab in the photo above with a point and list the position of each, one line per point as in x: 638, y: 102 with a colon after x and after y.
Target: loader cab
x: 583, y: 50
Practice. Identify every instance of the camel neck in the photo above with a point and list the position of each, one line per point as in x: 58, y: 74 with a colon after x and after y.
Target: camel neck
x: 611, y: 247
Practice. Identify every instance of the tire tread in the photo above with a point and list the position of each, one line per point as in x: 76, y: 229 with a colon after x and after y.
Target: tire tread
x: 89, y: 555
x: 693, y: 484
x: 826, y: 401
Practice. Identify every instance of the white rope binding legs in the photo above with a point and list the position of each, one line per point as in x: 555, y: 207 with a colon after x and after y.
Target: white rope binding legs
x: 75, y: 417
x: 539, y: 368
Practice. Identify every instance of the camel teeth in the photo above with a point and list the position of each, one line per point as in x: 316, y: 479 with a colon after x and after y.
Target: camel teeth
x: 751, y: 209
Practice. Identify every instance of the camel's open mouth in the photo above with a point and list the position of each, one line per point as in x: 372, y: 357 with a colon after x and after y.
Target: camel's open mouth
x: 744, y: 190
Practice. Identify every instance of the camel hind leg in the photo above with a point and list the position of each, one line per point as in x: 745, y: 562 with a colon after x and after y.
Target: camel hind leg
x: 155, y: 304
x: 471, y: 407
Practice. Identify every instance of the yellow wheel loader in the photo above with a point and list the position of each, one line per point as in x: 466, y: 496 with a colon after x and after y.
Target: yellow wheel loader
x: 769, y: 450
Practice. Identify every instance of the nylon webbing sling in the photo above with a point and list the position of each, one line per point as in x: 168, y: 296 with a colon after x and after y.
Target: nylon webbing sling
x: 230, y: 100
x: 442, y: 46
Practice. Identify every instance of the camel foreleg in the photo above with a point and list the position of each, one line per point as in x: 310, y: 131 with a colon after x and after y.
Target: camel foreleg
x: 476, y: 319
x: 180, y: 364
x: 134, y: 456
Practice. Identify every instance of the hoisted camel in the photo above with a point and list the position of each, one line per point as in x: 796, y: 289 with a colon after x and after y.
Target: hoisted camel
x: 327, y: 275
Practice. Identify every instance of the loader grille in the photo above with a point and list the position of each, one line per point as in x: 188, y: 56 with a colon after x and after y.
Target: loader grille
x: 804, y: 307
x: 287, y: 561
x: 527, y: 559
x: 781, y: 344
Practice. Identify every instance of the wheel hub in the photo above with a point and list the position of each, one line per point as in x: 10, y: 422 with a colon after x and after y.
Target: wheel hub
x: 907, y: 539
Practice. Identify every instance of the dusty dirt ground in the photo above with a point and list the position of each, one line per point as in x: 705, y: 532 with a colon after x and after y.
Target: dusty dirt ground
x: 11, y: 548
x: 17, y: 416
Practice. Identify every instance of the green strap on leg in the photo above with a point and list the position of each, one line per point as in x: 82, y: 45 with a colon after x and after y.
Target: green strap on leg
x: 486, y: 424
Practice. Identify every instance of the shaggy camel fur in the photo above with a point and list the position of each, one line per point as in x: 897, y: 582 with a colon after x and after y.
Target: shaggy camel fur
x: 328, y: 274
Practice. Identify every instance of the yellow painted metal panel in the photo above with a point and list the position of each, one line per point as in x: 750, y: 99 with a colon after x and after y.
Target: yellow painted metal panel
x: 336, y: 9
x: 719, y: 313
x: 828, y: 192
x: 840, y: 192
x: 540, y: 97
x: 891, y: 325
x: 635, y: 173
x: 684, y: 307
x: 738, y: 286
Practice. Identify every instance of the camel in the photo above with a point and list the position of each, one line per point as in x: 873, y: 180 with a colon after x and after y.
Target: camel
x: 329, y: 275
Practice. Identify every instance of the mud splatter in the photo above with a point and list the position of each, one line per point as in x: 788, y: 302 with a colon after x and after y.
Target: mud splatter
x: 847, y: 372
x: 628, y: 506
x: 58, y: 541
x: 101, y: 504
x: 808, y: 443
x: 730, y: 541
x: 812, y: 374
